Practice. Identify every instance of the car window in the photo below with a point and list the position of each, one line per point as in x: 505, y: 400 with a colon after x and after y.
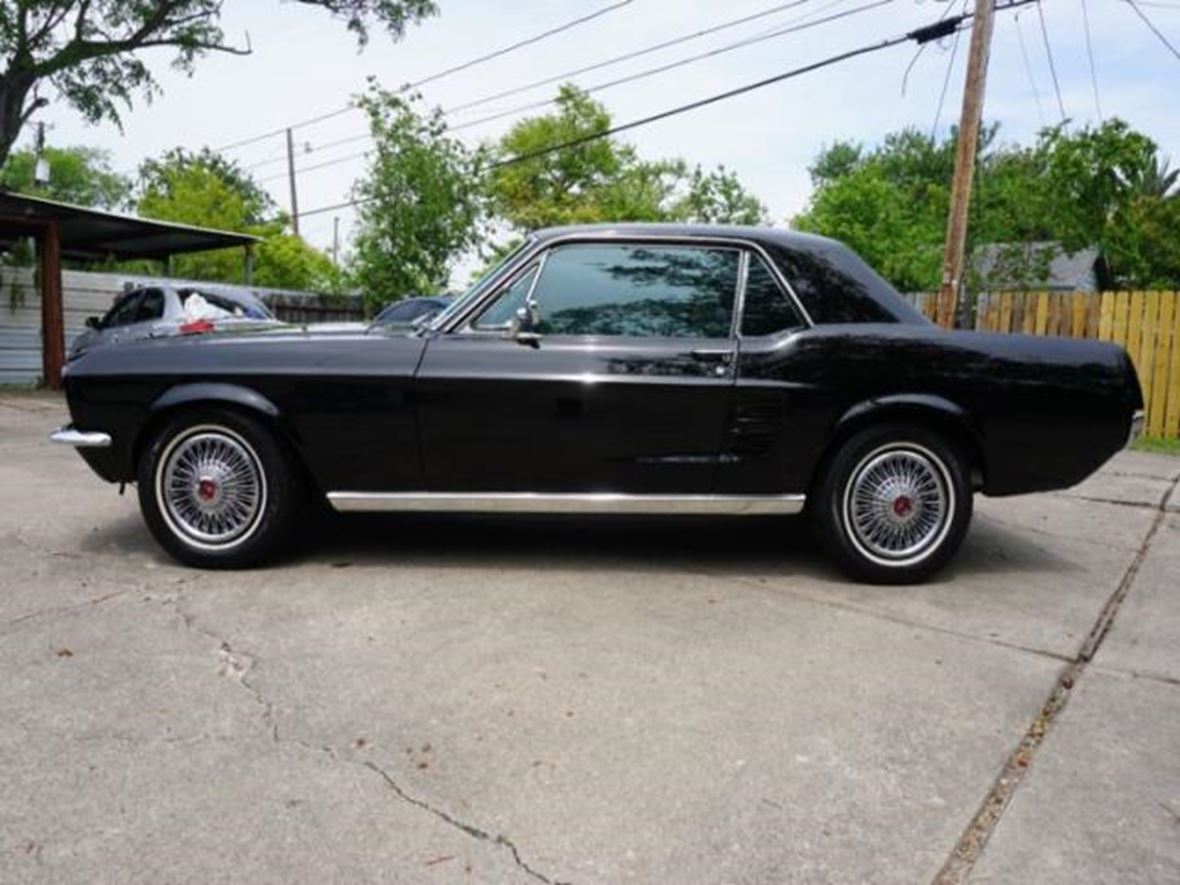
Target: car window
x: 123, y: 311
x: 238, y: 307
x: 638, y: 290
x: 151, y: 307
x: 404, y: 313
x: 767, y: 308
x: 836, y: 286
x: 504, y: 308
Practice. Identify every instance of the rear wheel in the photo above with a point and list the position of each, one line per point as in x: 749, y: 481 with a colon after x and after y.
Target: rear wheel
x: 216, y: 490
x: 894, y: 504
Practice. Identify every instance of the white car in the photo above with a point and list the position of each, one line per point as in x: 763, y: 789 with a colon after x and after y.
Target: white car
x: 159, y: 311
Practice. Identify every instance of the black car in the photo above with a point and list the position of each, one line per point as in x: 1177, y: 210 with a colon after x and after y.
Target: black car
x: 618, y: 369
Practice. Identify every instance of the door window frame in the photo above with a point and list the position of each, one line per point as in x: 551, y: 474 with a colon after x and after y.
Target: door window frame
x: 464, y: 321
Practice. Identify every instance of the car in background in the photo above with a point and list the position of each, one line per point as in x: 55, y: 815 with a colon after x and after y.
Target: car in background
x: 410, y: 312
x: 159, y: 311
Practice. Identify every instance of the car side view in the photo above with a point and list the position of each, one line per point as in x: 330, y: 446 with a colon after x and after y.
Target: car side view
x: 660, y: 369
x: 157, y: 311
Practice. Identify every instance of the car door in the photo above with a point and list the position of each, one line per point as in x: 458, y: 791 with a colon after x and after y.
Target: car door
x: 119, y: 319
x: 623, y: 385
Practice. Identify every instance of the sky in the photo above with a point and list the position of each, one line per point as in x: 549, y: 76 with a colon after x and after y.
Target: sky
x: 304, y: 64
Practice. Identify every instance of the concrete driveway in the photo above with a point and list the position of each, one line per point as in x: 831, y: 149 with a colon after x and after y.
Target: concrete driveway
x: 568, y: 700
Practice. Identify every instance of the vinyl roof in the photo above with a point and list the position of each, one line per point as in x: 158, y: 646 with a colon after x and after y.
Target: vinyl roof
x: 94, y: 233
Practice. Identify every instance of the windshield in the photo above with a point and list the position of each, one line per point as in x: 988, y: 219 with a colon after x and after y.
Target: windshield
x: 479, y: 287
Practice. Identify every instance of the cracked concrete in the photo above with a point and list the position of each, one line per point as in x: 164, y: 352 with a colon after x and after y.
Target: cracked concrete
x: 521, y: 700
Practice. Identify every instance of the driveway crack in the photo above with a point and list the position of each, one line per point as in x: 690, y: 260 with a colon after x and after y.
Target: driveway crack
x: 239, y: 666
x: 969, y: 849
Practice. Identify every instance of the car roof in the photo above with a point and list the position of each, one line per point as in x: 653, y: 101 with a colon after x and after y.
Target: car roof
x: 757, y: 233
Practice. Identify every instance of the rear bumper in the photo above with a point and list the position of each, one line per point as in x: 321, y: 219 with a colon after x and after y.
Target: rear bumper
x: 81, y: 439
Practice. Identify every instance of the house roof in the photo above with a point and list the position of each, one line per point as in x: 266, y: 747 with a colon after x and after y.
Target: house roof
x: 94, y: 233
x: 1041, y: 265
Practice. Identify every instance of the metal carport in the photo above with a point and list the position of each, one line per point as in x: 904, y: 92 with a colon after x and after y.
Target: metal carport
x: 63, y: 230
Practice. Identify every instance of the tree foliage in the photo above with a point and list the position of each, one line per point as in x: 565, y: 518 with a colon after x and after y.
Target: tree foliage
x: 604, y: 179
x: 420, y: 202
x: 89, y: 51
x: 1104, y: 186
x: 205, y: 189
x: 80, y: 175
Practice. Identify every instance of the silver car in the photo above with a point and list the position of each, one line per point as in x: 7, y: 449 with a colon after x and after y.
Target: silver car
x: 158, y: 311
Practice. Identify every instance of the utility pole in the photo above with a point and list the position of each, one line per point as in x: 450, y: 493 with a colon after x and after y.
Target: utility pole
x: 965, y: 150
x: 291, y: 176
x: 336, y: 240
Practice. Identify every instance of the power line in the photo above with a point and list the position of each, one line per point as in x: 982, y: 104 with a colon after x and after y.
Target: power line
x: 692, y: 59
x: 627, y: 56
x: 930, y: 32
x: 946, y: 82
x: 1028, y: 69
x: 1090, y: 55
x: 1139, y: 12
x: 438, y: 75
x: 650, y: 72
x: 1052, y: 66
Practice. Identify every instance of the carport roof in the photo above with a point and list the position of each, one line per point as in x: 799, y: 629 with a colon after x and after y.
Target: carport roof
x: 93, y: 233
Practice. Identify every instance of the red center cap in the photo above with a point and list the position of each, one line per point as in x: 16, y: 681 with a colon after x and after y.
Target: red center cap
x: 207, y: 490
x: 902, y: 505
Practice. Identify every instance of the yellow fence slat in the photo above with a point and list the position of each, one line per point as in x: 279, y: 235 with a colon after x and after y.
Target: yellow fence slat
x: 1077, y: 324
x: 1041, y: 322
x: 1165, y: 343
x: 1145, y: 346
x: 1005, y: 312
x: 1106, y: 320
x: 1172, y: 407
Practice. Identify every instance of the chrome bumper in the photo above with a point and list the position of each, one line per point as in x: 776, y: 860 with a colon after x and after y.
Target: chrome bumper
x: 81, y: 439
x: 1136, y: 431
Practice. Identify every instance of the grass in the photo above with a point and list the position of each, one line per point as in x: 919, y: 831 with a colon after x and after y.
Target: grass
x: 1160, y: 445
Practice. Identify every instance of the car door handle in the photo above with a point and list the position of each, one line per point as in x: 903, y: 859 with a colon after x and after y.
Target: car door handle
x: 712, y: 353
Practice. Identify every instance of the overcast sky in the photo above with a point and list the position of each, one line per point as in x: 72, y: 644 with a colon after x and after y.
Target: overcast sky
x: 304, y: 64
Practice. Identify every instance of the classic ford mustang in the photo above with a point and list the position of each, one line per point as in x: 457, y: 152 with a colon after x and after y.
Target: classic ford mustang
x: 621, y: 369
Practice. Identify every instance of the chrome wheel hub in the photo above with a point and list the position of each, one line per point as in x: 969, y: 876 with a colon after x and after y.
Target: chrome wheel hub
x: 898, y: 504
x: 211, y: 487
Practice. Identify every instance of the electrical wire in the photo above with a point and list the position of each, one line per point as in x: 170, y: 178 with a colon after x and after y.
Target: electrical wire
x: 946, y: 82
x: 1052, y: 66
x: 692, y: 59
x: 438, y: 75
x: 1139, y: 12
x: 957, y: 22
x: 1028, y: 69
x: 640, y: 75
x: 627, y: 56
x: 1090, y: 56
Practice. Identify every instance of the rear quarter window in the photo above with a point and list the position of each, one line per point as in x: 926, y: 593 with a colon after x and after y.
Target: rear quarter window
x: 836, y: 286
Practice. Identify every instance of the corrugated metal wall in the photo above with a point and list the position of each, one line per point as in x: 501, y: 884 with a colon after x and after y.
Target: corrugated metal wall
x: 90, y: 294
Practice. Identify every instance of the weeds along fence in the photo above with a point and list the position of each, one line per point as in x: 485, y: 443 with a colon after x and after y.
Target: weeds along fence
x: 1147, y: 324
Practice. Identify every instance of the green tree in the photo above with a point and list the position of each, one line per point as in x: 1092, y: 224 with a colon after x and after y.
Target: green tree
x: 420, y: 203
x: 205, y: 189
x: 80, y: 175
x: 89, y: 51
x: 1102, y: 186
x: 604, y: 179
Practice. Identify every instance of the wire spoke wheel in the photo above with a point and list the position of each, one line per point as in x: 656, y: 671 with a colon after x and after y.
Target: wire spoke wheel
x: 211, y: 487
x: 898, y: 504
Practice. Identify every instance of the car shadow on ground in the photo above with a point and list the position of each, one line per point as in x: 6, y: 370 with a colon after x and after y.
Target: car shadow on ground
x: 721, y: 546
x: 783, y: 545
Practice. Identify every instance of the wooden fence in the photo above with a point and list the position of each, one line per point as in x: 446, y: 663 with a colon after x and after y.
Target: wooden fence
x: 1147, y: 324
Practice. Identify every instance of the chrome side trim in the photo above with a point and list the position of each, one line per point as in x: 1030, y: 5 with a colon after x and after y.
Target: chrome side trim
x: 81, y: 439
x: 593, y: 502
x: 1138, y: 420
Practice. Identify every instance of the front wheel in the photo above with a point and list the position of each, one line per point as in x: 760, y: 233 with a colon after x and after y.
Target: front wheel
x: 216, y: 489
x: 894, y: 504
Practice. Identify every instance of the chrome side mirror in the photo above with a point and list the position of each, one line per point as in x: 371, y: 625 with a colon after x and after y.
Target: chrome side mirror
x: 523, y: 327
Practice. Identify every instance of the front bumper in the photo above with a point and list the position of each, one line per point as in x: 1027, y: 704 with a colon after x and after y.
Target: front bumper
x: 1137, y: 422
x: 81, y: 439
